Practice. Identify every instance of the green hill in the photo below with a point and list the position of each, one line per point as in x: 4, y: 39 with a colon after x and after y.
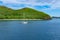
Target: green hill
x: 24, y: 13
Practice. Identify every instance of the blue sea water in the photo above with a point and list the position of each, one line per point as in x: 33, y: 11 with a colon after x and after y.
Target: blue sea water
x: 34, y: 30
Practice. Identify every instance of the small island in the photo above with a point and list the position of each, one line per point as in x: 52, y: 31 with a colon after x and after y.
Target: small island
x: 24, y: 13
x: 55, y: 17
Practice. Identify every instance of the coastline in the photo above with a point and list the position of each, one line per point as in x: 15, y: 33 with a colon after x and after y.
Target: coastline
x: 21, y: 19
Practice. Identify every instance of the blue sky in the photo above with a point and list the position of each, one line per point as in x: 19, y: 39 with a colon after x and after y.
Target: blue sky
x: 51, y: 7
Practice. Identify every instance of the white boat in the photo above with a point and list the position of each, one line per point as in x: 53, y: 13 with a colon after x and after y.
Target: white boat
x: 25, y: 22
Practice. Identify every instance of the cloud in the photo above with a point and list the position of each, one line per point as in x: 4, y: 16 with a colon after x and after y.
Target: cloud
x: 47, y: 4
x: 56, y: 4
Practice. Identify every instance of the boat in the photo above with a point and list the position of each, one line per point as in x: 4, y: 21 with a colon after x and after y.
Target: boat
x: 25, y: 22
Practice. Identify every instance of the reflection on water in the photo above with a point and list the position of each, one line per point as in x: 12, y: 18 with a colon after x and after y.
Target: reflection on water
x: 34, y: 30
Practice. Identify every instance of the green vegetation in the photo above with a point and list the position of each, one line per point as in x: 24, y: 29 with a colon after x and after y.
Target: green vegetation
x: 24, y: 13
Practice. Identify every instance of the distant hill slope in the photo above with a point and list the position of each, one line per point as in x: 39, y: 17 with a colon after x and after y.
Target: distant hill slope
x: 24, y: 13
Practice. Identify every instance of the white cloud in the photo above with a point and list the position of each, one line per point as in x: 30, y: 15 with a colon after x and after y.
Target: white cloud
x: 32, y: 3
x: 56, y: 4
x: 9, y: 1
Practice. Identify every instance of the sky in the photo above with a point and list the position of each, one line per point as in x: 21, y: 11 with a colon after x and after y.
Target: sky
x: 51, y: 7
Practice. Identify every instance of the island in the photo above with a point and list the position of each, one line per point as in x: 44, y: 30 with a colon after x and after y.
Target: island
x: 55, y: 17
x: 24, y: 13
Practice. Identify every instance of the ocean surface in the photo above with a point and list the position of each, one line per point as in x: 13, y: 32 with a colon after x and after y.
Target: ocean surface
x: 34, y: 30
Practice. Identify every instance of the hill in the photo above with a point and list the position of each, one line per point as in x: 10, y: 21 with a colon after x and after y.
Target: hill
x: 24, y: 13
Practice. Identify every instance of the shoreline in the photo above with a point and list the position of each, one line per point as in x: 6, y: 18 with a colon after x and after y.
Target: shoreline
x: 21, y: 19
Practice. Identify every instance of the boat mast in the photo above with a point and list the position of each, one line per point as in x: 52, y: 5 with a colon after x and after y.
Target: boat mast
x: 24, y: 16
